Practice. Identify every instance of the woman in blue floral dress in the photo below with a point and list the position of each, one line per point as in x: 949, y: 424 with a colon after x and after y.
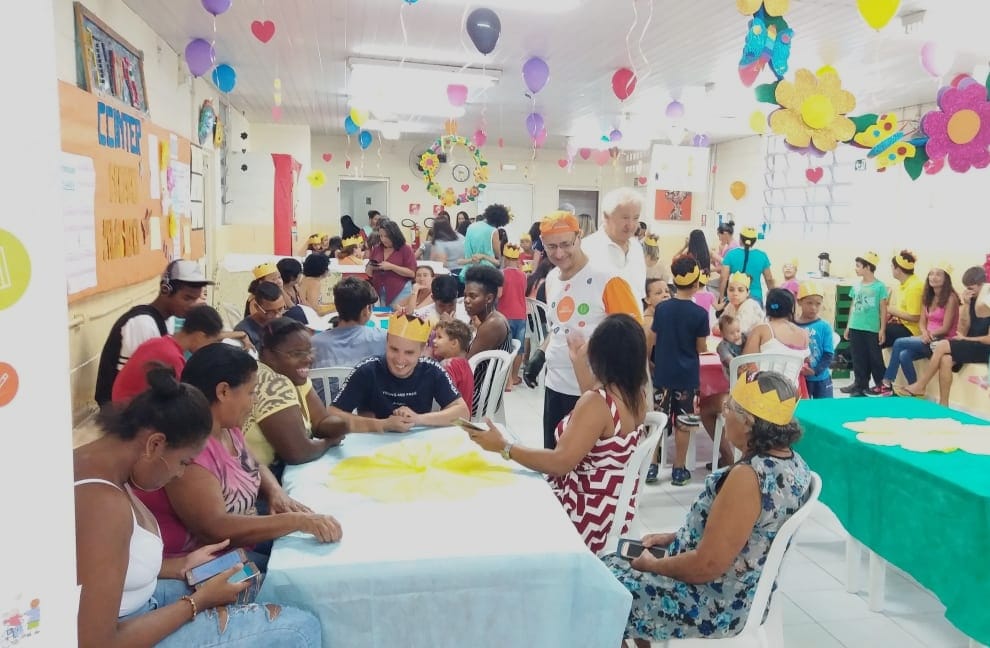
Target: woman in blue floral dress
x: 705, y: 585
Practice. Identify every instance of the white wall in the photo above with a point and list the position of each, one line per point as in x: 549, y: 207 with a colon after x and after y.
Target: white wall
x: 392, y: 161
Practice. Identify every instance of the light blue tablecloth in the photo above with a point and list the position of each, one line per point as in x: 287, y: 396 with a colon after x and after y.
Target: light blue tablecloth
x: 501, y: 569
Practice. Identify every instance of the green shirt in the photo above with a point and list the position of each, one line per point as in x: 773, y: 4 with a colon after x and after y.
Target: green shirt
x: 865, y: 312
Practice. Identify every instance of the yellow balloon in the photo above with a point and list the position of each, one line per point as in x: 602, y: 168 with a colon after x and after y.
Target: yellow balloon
x: 758, y: 122
x: 737, y: 189
x: 877, y: 13
x: 359, y: 116
x: 826, y: 69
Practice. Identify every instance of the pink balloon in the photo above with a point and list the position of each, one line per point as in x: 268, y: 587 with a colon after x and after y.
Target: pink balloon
x: 480, y: 137
x: 277, y: 113
x: 602, y: 157
x: 935, y: 59
x: 457, y: 94
x: 541, y: 138
x: 534, y: 124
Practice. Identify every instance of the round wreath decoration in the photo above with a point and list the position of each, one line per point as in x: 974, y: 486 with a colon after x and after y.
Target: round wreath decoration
x: 429, y: 162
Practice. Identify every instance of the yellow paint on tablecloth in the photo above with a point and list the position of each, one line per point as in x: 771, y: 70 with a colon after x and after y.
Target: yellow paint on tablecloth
x: 923, y: 435
x: 419, y: 469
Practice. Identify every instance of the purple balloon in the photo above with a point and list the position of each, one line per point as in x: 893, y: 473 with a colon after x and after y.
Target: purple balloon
x: 199, y: 56
x: 534, y: 124
x: 675, y: 110
x: 615, y: 135
x: 536, y: 73
x: 701, y: 139
x: 217, y: 7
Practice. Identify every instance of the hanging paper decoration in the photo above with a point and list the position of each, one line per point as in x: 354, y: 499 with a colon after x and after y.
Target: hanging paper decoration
x: 327, y: 157
x: 429, y: 162
x: 886, y: 142
x: 877, y: 13
x: 317, y: 179
x: 772, y: 7
x: 585, y: 153
x: 768, y: 42
x: 484, y: 27
x: 450, y: 127
x: 199, y: 56
x: 207, y: 122
x: 623, y: 83
x: 535, y: 73
x: 960, y: 128
x: 814, y: 175
x: 813, y: 111
x: 224, y: 77
x: 263, y: 30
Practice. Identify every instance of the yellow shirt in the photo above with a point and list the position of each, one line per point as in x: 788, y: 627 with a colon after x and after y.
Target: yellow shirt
x: 275, y: 393
x: 907, y: 298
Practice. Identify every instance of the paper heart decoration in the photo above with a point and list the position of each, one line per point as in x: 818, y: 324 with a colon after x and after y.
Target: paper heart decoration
x: 327, y: 157
x: 642, y: 180
x: 814, y: 175
x: 263, y: 31
x: 602, y: 157
x: 347, y: 164
x: 584, y: 153
x: 404, y: 187
x: 500, y: 143
x: 934, y: 166
x: 562, y: 163
x: 277, y: 113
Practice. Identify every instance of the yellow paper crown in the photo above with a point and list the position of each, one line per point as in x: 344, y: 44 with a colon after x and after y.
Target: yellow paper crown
x: 525, y: 237
x: 945, y: 265
x: 740, y: 278
x: 510, y: 251
x: 264, y: 269
x: 687, y: 280
x: 652, y: 240
x: 409, y: 327
x: 748, y: 232
x: 764, y: 405
x: 872, y: 258
x: 703, y: 279
x: 354, y: 240
x: 809, y: 288
x: 314, y: 239
x: 903, y: 263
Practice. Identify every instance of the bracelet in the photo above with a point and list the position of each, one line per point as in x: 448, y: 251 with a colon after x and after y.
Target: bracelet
x: 192, y: 603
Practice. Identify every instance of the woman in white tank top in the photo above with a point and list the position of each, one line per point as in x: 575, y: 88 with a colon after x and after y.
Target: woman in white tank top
x: 130, y: 595
x: 780, y: 335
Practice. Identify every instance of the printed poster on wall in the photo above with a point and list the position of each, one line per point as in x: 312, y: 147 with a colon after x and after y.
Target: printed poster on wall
x: 78, y: 179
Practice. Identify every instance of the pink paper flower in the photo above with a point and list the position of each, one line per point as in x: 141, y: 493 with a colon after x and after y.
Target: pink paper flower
x: 960, y: 129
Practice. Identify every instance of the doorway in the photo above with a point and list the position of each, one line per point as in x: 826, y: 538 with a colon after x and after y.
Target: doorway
x: 585, y: 201
x: 358, y: 196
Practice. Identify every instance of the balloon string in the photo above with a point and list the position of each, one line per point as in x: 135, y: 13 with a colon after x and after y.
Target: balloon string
x: 646, y: 61
x: 213, y: 43
x: 632, y: 28
x: 378, y: 166
x: 405, y: 34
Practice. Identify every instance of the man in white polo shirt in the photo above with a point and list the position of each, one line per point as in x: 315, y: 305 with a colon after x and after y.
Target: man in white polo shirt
x: 615, y: 246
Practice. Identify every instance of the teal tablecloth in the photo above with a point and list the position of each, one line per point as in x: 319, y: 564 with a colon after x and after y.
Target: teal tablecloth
x: 926, y: 513
x: 504, y: 567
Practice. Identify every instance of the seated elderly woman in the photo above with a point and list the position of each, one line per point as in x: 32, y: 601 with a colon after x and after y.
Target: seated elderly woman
x: 598, y: 438
x: 131, y: 595
x: 288, y: 423
x: 216, y: 497
x: 704, y: 585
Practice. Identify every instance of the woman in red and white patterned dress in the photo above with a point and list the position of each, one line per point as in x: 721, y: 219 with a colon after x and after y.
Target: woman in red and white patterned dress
x: 598, y: 438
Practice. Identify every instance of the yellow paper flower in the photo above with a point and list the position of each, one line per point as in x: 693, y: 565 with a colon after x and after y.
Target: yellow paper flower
x: 813, y: 111
x: 772, y: 7
x: 449, y: 197
x: 419, y: 469
x: 481, y: 174
x: 429, y: 162
x: 317, y: 179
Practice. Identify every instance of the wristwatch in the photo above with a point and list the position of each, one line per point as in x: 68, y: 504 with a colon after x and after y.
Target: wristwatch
x: 506, y: 450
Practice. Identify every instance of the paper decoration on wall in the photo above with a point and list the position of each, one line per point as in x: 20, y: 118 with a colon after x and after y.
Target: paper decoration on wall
x: 738, y: 189
x: 813, y: 111
x: 960, y: 129
x: 327, y: 157
x: 429, y: 162
x: 263, y: 30
x: 8, y: 383
x: 814, y: 175
x: 758, y: 122
x: 768, y: 42
x: 672, y: 205
x: 886, y: 142
x: 404, y: 187
x: 877, y: 13
x: 207, y: 122
x: 316, y: 179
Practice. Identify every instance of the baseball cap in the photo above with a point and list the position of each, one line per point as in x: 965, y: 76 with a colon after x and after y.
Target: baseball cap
x: 187, y: 272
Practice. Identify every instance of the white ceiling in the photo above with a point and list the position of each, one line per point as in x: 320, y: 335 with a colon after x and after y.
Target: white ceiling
x: 686, y: 46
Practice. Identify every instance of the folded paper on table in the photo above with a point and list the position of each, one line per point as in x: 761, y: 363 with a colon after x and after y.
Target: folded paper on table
x: 923, y: 435
x: 420, y: 469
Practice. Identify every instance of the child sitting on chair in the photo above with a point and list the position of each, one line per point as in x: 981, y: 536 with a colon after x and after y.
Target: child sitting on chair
x: 450, y: 344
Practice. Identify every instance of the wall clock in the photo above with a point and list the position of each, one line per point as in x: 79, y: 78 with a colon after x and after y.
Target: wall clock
x: 460, y: 172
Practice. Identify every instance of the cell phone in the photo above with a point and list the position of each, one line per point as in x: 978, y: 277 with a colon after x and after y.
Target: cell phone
x: 373, y: 262
x: 211, y: 568
x: 247, y: 572
x: 469, y: 425
x: 630, y: 549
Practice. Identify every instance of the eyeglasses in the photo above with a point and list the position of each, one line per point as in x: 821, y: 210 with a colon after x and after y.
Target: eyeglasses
x: 274, y: 312
x: 563, y: 247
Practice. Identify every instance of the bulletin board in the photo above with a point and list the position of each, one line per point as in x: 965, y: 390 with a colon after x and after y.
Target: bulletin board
x: 126, y: 187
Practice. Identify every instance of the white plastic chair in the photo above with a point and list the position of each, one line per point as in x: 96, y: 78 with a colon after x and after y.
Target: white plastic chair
x: 635, y: 471
x: 783, y: 363
x: 537, y: 319
x: 328, y: 381
x: 756, y: 633
x: 493, y: 384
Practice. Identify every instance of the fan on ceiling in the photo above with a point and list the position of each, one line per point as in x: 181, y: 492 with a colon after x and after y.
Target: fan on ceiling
x: 416, y: 152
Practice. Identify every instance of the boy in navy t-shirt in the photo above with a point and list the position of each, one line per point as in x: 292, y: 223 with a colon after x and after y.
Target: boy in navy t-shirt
x: 681, y: 330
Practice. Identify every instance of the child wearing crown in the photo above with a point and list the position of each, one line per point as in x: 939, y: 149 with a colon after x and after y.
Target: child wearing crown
x: 352, y: 253
x: 512, y: 304
x: 396, y: 391
x: 747, y: 311
x: 681, y: 330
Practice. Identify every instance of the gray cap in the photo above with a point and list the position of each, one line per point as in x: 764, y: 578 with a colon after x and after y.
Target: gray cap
x: 186, y: 271
x: 568, y: 207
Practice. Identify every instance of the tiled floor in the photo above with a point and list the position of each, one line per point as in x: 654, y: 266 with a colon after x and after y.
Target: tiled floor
x: 818, y: 612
